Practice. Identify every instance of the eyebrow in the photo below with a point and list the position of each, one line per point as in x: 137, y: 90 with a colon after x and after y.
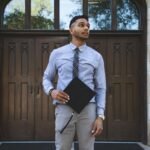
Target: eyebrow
x: 84, y: 23
x: 81, y: 22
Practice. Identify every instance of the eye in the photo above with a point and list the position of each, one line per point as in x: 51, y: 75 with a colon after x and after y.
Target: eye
x: 88, y: 25
x: 81, y: 24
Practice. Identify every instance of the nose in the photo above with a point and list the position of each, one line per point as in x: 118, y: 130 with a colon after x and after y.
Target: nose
x: 86, y: 28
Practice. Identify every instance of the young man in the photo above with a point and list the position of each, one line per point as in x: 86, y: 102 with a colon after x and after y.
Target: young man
x: 89, y: 123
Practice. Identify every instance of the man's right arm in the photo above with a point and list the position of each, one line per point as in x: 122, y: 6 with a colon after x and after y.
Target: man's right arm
x: 49, y: 74
x: 48, y: 79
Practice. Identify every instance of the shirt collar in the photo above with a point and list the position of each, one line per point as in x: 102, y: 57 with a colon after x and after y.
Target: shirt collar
x: 81, y: 48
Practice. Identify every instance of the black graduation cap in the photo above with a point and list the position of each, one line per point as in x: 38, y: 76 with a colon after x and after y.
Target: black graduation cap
x: 80, y: 94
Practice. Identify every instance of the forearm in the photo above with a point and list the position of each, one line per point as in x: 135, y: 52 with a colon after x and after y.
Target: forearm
x: 101, y: 101
x: 47, y: 84
x: 49, y: 74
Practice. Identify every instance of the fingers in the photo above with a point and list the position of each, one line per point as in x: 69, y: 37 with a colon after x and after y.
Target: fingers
x: 97, y: 128
x: 93, y: 130
x: 96, y: 132
x: 60, y: 95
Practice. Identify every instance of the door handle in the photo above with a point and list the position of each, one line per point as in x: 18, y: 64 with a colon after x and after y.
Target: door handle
x: 34, y: 89
x: 37, y: 89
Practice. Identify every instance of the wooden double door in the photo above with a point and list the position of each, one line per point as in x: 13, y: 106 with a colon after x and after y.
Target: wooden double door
x: 28, y: 114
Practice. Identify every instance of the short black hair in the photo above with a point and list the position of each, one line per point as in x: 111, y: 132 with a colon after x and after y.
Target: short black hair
x: 76, y: 18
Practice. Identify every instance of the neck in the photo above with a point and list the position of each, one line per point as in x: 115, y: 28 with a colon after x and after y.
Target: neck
x: 78, y: 43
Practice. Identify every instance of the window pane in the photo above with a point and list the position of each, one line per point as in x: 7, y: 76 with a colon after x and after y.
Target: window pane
x: 14, y: 15
x: 99, y: 14
x: 127, y: 15
x: 42, y: 14
x: 68, y: 9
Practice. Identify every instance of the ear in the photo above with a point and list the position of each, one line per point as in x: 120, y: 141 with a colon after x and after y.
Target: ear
x: 71, y: 30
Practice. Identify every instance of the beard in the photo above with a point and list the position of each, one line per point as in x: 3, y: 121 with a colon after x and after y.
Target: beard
x: 81, y: 37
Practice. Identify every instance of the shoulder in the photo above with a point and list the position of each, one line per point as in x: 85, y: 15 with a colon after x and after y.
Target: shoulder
x: 57, y: 52
x: 94, y: 53
x: 60, y: 50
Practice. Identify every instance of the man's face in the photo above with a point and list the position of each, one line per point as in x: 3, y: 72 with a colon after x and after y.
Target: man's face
x: 80, y: 29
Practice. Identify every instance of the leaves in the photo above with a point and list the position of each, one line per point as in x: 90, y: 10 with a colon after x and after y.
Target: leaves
x: 15, y: 20
x: 100, y: 14
x: 127, y: 15
x: 99, y: 11
x: 40, y: 21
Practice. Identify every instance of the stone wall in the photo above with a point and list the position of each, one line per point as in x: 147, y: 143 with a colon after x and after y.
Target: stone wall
x: 148, y: 70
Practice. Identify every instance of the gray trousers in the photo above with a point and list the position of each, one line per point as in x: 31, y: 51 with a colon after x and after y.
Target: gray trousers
x: 80, y: 123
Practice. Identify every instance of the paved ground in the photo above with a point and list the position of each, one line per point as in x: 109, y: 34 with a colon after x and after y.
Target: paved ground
x: 146, y: 147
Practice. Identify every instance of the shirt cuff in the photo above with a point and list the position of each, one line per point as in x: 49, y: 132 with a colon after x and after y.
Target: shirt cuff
x: 100, y: 111
x: 48, y: 90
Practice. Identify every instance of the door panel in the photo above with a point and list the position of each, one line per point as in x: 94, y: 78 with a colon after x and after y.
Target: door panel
x: 44, y: 109
x: 18, y: 95
x: 123, y: 99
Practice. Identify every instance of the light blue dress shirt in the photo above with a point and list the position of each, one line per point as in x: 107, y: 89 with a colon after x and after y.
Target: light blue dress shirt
x: 91, y: 72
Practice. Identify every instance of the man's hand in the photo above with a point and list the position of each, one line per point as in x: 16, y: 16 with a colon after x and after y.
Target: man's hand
x: 60, y: 95
x: 97, y: 127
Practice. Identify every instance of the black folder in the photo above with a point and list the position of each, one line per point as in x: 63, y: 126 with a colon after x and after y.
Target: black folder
x: 80, y: 94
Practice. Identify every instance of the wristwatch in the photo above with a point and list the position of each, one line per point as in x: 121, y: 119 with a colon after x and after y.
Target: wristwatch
x: 101, y: 116
x: 50, y: 92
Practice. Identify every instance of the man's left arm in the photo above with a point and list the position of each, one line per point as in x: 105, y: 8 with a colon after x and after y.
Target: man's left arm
x: 100, y: 87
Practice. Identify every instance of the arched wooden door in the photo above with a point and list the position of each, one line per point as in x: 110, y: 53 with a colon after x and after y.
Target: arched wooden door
x: 28, y: 114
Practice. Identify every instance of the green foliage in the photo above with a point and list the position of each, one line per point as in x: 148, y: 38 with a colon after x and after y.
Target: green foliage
x: 40, y: 22
x: 16, y: 20
x: 127, y: 15
x: 100, y: 13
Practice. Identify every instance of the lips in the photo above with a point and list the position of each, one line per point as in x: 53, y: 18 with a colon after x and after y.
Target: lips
x: 85, y: 33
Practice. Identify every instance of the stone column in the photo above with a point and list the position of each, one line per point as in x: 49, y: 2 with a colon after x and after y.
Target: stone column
x: 148, y: 70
